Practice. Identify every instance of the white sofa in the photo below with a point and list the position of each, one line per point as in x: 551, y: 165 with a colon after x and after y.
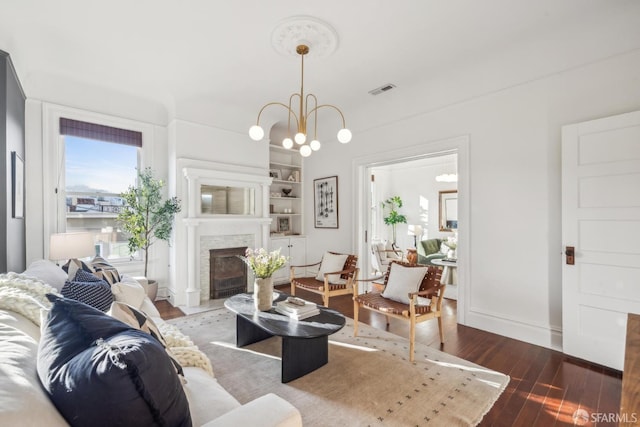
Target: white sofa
x: 24, y: 402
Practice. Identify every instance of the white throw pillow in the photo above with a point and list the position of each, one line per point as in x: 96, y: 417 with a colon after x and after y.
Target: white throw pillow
x: 402, y: 281
x: 48, y: 272
x: 332, y: 262
x: 381, y: 248
x: 129, y: 291
x: 444, y: 249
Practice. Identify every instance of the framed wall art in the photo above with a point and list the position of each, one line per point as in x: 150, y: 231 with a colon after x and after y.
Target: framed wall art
x: 284, y: 224
x: 275, y: 174
x: 325, y: 202
x: 17, y: 185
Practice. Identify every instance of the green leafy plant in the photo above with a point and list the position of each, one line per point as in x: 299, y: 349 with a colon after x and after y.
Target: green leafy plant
x: 263, y: 263
x: 394, y: 203
x: 146, y: 217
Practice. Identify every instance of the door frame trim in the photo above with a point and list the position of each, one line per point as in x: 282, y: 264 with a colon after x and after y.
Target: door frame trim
x: 360, y: 209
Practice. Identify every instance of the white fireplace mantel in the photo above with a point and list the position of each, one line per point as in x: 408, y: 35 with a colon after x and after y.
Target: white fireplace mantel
x: 199, y: 225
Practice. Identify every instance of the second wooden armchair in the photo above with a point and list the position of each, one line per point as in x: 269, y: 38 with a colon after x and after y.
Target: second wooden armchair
x: 412, y: 292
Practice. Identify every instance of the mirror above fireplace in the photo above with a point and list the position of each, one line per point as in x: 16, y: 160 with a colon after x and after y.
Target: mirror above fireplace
x: 225, y: 200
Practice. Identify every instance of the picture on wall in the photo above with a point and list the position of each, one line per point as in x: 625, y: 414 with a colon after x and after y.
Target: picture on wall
x: 284, y: 225
x: 325, y: 201
x: 17, y: 185
x: 275, y: 174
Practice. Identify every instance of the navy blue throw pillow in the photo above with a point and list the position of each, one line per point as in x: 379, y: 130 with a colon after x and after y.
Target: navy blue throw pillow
x: 89, y: 289
x: 98, y: 371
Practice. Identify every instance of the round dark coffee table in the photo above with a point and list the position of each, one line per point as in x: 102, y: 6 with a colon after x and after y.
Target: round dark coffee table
x: 305, y: 343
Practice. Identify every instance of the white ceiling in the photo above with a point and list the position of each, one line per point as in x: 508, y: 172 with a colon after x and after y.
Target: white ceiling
x: 212, y: 61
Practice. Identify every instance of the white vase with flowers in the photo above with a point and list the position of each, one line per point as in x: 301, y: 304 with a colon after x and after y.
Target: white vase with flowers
x: 263, y: 264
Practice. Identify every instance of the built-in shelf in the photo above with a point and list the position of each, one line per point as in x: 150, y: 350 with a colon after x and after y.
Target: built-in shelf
x: 285, y: 165
x: 285, y: 182
x: 286, y: 212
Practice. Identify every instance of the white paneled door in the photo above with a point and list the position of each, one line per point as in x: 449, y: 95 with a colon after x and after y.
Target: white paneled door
x: 601, y: 222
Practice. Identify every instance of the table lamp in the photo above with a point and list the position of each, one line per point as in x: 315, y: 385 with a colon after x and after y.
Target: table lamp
x: 65, y: 246
x: 416, y: 232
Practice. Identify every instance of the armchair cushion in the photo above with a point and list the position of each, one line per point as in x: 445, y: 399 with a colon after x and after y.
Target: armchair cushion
x: 332, y: 262
x: 402, y: 281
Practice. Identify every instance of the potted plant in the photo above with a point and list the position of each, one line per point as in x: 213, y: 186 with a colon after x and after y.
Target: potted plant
x: 394, y: 218
x: 146, y: 217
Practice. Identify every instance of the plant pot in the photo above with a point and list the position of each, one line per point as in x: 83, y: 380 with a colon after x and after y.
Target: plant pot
x: 152, y: 289
x: 263, y: 293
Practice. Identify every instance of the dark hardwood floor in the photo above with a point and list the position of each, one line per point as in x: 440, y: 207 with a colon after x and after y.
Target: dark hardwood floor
x: 546, y: 387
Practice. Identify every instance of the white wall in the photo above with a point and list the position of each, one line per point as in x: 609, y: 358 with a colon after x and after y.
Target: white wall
x: 515, y: 260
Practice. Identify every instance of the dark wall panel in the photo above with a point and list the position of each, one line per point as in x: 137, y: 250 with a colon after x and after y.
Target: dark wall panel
x: 12, y: 118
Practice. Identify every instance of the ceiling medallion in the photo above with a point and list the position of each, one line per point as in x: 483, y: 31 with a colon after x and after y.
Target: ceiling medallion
x: 297, y: 30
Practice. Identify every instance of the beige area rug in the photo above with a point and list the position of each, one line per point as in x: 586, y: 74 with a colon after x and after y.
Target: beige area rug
x: 368, y: 380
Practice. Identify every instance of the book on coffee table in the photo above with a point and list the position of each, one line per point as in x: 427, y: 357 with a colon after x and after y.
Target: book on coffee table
x: 295, y: 311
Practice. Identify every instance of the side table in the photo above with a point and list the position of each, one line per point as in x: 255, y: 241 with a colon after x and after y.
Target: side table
x: 449, y: 277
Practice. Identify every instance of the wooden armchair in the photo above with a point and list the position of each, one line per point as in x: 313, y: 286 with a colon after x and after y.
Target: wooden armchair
x: 423, y: 304
x: 330, y: 280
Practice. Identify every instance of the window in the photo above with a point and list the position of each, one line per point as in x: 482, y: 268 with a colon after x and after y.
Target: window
x: 100, y: 162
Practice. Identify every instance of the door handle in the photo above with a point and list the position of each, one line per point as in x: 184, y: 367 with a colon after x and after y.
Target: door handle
x: 570, y: 253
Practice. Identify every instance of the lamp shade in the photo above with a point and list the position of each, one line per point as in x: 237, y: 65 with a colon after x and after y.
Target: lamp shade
x: 64, y: 246
x: 415, y: 230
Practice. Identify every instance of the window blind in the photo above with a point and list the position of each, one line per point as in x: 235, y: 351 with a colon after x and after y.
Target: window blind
x: 100, y: 132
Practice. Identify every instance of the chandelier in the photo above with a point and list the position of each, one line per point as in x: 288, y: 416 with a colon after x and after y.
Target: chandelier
x: 307, y: 110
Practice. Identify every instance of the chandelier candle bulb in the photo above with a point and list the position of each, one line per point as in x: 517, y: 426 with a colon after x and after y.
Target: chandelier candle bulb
x: 305, y: 151
x: 287, y: 143
x: 344, y: 135
x: 256, y: 133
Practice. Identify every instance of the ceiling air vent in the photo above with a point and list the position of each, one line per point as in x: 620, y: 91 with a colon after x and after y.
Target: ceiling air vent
x: 381, y: 89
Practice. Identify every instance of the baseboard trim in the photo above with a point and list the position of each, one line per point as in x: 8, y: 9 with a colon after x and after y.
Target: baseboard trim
x: 547, y: 336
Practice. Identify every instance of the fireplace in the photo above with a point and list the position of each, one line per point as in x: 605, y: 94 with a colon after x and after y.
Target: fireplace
x: 227, y: 272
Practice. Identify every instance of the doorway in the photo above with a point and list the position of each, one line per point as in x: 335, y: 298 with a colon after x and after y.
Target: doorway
x: 368, y: 217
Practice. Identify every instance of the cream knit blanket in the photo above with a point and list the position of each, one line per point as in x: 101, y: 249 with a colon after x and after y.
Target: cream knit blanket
x: 25, y: 295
